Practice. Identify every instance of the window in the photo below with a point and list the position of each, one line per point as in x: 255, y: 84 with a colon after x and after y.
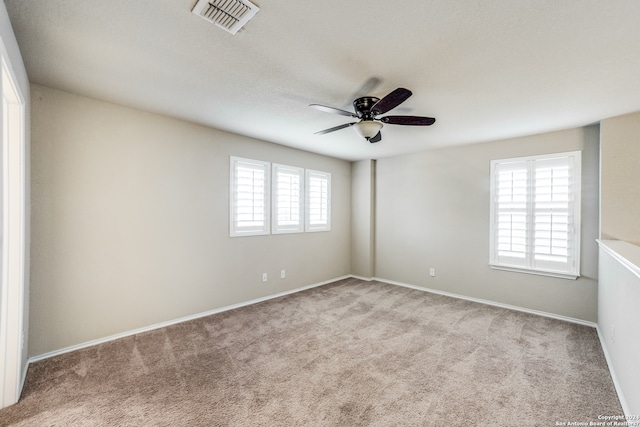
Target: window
x: 318, y: 201
x: 535, y: 214
x: 287, y: 199
x: 249, y: 192
x: 257, y: 208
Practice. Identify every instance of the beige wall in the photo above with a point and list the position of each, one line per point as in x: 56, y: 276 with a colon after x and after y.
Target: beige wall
x: 619, y: 286
x: 362, y: 218
x: 432, y: 211
x: 620, y: 164
x: 131, y: 222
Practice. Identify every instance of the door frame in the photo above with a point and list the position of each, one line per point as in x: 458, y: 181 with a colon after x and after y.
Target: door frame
x: 13, y: 223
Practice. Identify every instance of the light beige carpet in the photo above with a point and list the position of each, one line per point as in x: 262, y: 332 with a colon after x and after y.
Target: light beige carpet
x: 351, y: 353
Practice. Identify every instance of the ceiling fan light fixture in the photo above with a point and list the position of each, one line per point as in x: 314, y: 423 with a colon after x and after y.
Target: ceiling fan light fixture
x: 368, y: 128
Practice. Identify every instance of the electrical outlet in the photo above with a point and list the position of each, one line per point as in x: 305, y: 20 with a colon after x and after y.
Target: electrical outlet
x: 432, y: 272
x: 264, y: 277
x: 283, y: 274
x: 613, y: 334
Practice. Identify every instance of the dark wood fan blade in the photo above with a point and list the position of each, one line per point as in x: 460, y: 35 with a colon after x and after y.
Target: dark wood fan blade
x: 408, y: 120
x: 391, y: 101
x: 334, y: 110
x: 377, y: 138
x: 333, y: 129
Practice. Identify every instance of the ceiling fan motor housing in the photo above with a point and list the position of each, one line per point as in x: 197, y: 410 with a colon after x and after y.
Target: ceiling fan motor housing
x: 363, y: 106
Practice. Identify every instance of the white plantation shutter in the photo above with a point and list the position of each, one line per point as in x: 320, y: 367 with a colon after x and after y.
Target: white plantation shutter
x: 555, y: 235
x: 535, y: 214
x: 249, y: 191
x: 318, y: 201
x: 300, y: 200
x: 287, y: 199
x: 511, y: 220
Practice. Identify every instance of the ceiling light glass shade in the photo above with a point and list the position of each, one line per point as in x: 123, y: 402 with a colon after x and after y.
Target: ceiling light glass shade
x: 368, y: 128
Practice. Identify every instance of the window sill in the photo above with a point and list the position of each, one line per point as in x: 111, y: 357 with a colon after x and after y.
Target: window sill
x: 287, y: 231
x: 569, y: 276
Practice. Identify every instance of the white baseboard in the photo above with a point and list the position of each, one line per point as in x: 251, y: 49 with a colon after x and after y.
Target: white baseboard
x: 175, y: 321
x: 614, y: 377
x: 623, y: 402
x: 25, y: 369
x: 266, y: 298
x: 488, y: 302
x: 366, y: 279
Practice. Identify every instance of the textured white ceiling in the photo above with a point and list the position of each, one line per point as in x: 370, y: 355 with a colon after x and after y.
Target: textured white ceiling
x: 486, y: 69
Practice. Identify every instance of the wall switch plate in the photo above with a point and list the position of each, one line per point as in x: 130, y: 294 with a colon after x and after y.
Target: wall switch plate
x: 264, y: 277
x: 283, y: 274
x: 432, y: 272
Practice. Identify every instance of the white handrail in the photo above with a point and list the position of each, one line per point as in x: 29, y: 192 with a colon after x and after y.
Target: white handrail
x: 625, y: 253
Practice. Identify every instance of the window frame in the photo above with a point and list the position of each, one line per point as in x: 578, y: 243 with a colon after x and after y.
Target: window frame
x: 276, y: 226
x: 310, y: 226
x: 265, y: 228
x: 269, y: 222
x: 572, y: 267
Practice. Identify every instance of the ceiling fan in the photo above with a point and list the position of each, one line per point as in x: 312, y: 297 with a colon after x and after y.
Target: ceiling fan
x: 367, y: 108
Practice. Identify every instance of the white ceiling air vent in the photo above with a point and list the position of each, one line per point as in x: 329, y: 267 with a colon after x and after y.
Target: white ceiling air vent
x: 230, y: 15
